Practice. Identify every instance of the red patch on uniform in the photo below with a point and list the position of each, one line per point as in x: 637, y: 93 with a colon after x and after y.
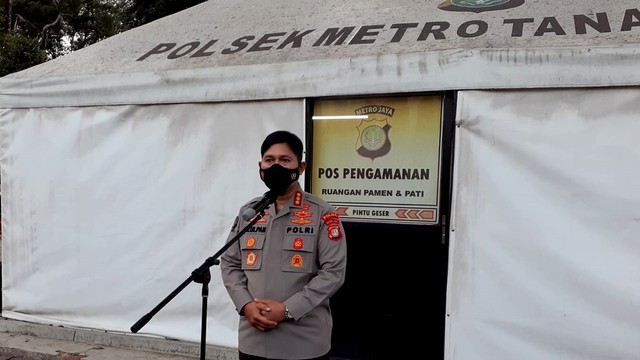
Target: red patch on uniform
x: 301, y: 217
x: 251, y: 242
x: 296, y: 261
x: 304, y: 212
x: 330, y: 218
x: 251, y: 259
x: 298, y: 243
x: 335, y: 233
x: 301, y: 221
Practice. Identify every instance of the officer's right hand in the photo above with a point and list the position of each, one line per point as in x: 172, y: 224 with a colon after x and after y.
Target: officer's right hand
x: 253, y: 313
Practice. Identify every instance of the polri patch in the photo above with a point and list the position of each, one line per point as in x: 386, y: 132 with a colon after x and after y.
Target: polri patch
x: 298, y: 243
x: 296, y: 261
x: 335, y: 233
x: 330, y: 218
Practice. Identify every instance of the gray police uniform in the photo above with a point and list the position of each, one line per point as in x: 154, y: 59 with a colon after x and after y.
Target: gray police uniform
x: 297, y: 256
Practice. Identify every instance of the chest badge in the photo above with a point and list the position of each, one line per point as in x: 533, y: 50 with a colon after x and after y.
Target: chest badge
x: 296, y: 261
x: 251, y: 242
x: 298, y: 243
x: 302, y: 217
x: 251, y: 259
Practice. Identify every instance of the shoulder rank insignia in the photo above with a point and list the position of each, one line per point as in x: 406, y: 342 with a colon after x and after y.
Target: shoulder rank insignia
x: 297, y: 198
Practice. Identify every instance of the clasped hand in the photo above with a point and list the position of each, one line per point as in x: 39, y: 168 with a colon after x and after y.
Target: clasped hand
x: 264, y: 314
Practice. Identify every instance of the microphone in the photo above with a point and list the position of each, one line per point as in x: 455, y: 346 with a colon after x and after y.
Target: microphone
x: 268, y: 199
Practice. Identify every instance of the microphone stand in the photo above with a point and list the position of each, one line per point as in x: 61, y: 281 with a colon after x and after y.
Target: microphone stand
x: 201, y: 275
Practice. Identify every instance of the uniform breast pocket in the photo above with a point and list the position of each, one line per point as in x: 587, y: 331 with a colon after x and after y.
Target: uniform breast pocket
x: 298, y: 253
x: 251, y: 249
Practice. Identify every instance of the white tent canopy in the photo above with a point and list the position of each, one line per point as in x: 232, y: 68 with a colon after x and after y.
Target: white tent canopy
x: 242, y: 50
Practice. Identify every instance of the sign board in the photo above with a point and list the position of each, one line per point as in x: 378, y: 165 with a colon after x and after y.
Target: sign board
x: 378, y: 159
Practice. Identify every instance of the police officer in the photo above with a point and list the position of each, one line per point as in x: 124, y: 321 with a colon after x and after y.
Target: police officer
x: 282, y: 272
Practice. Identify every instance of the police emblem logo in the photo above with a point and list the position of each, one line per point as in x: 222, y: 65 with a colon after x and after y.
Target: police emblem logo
x: 478, y: 6
x: 301, y: 217
x: 335, y: 233
x: 373, y: 138
x: 373, y: 132
x: 251, y: 259
x: 298, y: 243
x: 296, y: 261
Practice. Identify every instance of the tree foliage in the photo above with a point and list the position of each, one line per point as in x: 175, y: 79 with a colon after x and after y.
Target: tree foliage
x: 144, y: 11
x: 33, y: 31
x: 18, y: 52
x: 93, y: 20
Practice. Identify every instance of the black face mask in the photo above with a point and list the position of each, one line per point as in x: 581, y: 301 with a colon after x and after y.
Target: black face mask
x: 278, y: 178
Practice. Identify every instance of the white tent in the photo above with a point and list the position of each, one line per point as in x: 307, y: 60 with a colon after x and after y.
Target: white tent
x: 228, y: 51
x: 123, y: 164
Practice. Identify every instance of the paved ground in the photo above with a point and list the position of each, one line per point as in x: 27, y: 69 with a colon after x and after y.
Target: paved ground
x: 24, y: 347
x: 16, y: 357
x: 27, y: 341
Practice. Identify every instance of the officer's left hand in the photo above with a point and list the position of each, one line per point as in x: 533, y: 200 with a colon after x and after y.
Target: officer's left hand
x: 255, y: 312
x: 277, y: 310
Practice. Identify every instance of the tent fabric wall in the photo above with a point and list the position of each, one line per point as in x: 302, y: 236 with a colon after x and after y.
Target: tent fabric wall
x: 544, y: 255
x: 106, y: 210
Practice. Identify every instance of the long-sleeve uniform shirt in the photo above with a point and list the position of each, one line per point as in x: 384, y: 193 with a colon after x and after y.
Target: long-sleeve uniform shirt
x: 297, y: 256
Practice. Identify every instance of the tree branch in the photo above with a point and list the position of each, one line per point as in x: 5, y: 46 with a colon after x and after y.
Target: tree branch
x: 47, y: 27
x: 19, y: 17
